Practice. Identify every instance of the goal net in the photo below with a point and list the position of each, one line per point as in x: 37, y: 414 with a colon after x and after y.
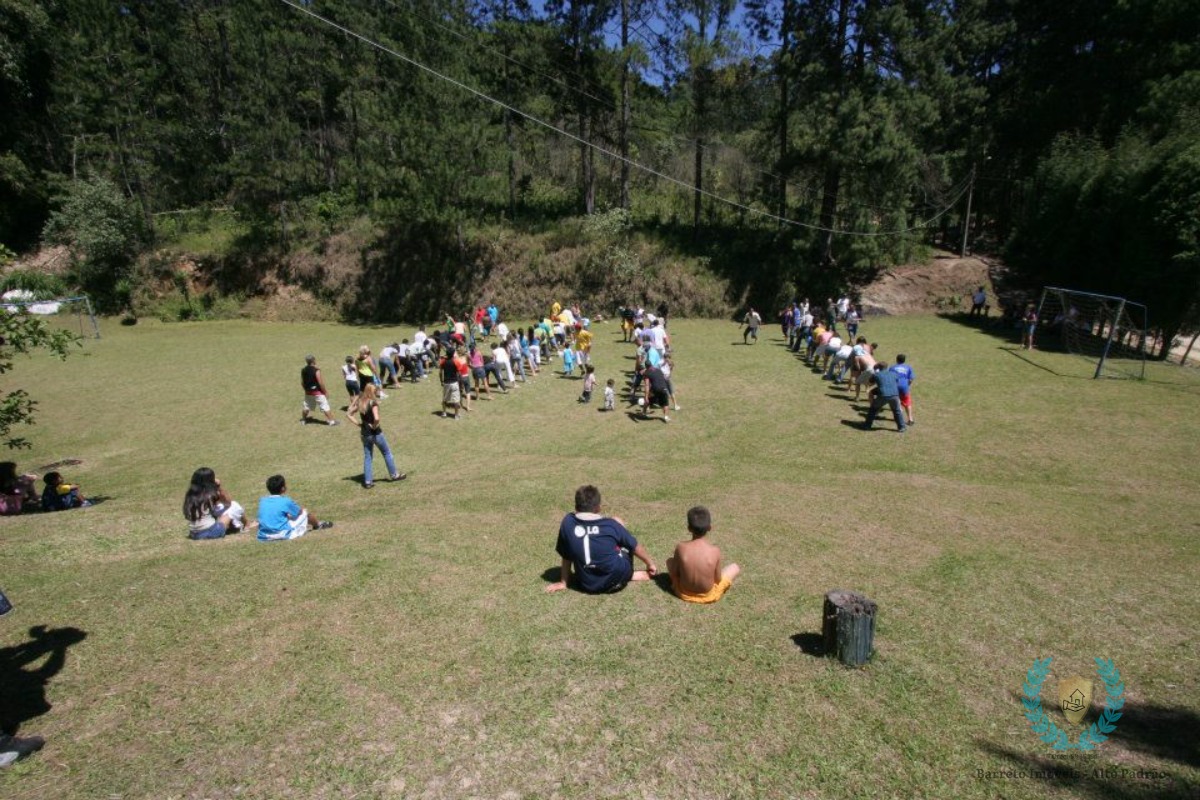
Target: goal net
x: 1108, y: 331
x: 71, y: 312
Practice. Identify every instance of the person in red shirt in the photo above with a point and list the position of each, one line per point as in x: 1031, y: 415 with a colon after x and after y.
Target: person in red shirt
x: 464, y: 378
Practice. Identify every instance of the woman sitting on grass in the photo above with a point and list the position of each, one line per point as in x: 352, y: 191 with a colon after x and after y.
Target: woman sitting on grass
x: 15, y: 489
x: 209, y: 511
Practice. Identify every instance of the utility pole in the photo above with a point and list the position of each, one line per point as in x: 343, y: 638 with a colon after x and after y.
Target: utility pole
x: 962, y: 253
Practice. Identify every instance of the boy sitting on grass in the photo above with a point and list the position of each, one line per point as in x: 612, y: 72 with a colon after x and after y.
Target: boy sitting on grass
x: 695, y: 569
x: 61, y: 496
x: 598, y: 549
x: 280, y: 517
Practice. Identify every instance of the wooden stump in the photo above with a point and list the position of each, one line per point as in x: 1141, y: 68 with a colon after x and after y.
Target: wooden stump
x: 848, y: 626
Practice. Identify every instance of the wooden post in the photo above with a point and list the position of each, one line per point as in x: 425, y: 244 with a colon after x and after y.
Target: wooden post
x: 848, y: 626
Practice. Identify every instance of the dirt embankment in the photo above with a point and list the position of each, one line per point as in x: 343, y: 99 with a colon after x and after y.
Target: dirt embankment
x: 944, y: 283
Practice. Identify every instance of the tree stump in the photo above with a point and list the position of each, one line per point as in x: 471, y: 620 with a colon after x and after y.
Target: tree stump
x: 848, y: 626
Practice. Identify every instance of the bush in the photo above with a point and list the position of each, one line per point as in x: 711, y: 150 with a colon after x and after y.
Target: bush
x: 42, y: 284
x: 102, y: 229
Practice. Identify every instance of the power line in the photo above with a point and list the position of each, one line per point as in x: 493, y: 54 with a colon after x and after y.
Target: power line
x: 637, y: 27
x: 603, y: 150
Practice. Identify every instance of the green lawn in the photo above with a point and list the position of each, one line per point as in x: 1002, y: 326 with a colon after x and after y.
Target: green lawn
x: 411, y: 651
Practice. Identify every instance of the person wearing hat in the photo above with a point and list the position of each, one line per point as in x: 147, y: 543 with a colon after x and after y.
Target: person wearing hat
x: 315, y: 395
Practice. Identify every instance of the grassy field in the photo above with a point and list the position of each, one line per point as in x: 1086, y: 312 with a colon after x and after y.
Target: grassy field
x: 411, y: 651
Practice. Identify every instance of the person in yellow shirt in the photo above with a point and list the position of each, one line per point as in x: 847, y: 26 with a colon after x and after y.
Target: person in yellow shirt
x: 583, y: 342
x: 812, y: 343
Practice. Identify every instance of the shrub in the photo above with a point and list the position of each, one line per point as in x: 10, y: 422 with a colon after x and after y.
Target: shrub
x: 102, y: 230
x: 42, y: 284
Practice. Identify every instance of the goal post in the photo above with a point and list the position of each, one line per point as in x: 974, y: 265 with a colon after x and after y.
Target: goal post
x: 18, y: 301
x: 1107, y: 330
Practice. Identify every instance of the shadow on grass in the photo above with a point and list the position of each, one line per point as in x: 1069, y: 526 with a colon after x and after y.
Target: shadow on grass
x: 1019, y: 352
x: 1163, y: 732
x: 1006, y: 328
x: 68, y: 462
x: 663, y: 581
x: 1172, y: 734
x: 23, y: 687
x: 810, y: 644
x: 1092, y: 778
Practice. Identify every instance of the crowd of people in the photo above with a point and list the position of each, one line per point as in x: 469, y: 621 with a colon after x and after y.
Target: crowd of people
x: 851, y: 362
x: 473, y: 356
x: 651, y: 385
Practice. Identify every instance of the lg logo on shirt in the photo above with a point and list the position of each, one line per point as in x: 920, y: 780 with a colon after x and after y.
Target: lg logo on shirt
x: 585, y: 532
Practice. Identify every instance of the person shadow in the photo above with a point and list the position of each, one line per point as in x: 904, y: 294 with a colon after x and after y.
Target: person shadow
x: 663, y: 581
x: 22, y: 685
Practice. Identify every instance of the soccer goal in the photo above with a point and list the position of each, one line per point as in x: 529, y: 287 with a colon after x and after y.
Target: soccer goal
x: 1109, y: 331
x: 20, y: 300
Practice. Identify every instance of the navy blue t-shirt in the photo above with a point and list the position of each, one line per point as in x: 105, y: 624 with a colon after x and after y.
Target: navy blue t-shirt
x: 599, y: 548
x: 888, y: 383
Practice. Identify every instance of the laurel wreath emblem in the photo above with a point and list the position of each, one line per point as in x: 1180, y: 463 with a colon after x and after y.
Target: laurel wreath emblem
x: 1050, y: 733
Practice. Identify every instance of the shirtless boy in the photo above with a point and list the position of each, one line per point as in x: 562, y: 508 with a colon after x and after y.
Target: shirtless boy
x: 695, y: 569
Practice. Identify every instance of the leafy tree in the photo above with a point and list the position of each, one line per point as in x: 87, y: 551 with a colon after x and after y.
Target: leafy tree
x: 1119, y: 220
x: 22, y: 333
x: 25, y: 44
x: 101, y: 227
x: 702, y: 38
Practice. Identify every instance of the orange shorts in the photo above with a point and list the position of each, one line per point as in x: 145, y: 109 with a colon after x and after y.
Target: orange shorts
x: 711, y: 596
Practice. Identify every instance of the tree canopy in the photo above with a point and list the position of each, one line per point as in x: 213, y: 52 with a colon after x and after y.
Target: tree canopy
x: 848, y: 119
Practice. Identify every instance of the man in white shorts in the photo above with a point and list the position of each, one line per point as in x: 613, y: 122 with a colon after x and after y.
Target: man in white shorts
x: 314, y: 391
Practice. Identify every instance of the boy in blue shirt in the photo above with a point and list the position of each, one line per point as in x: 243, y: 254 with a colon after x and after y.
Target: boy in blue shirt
x: 280, y: 517
x: 906, y: 377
